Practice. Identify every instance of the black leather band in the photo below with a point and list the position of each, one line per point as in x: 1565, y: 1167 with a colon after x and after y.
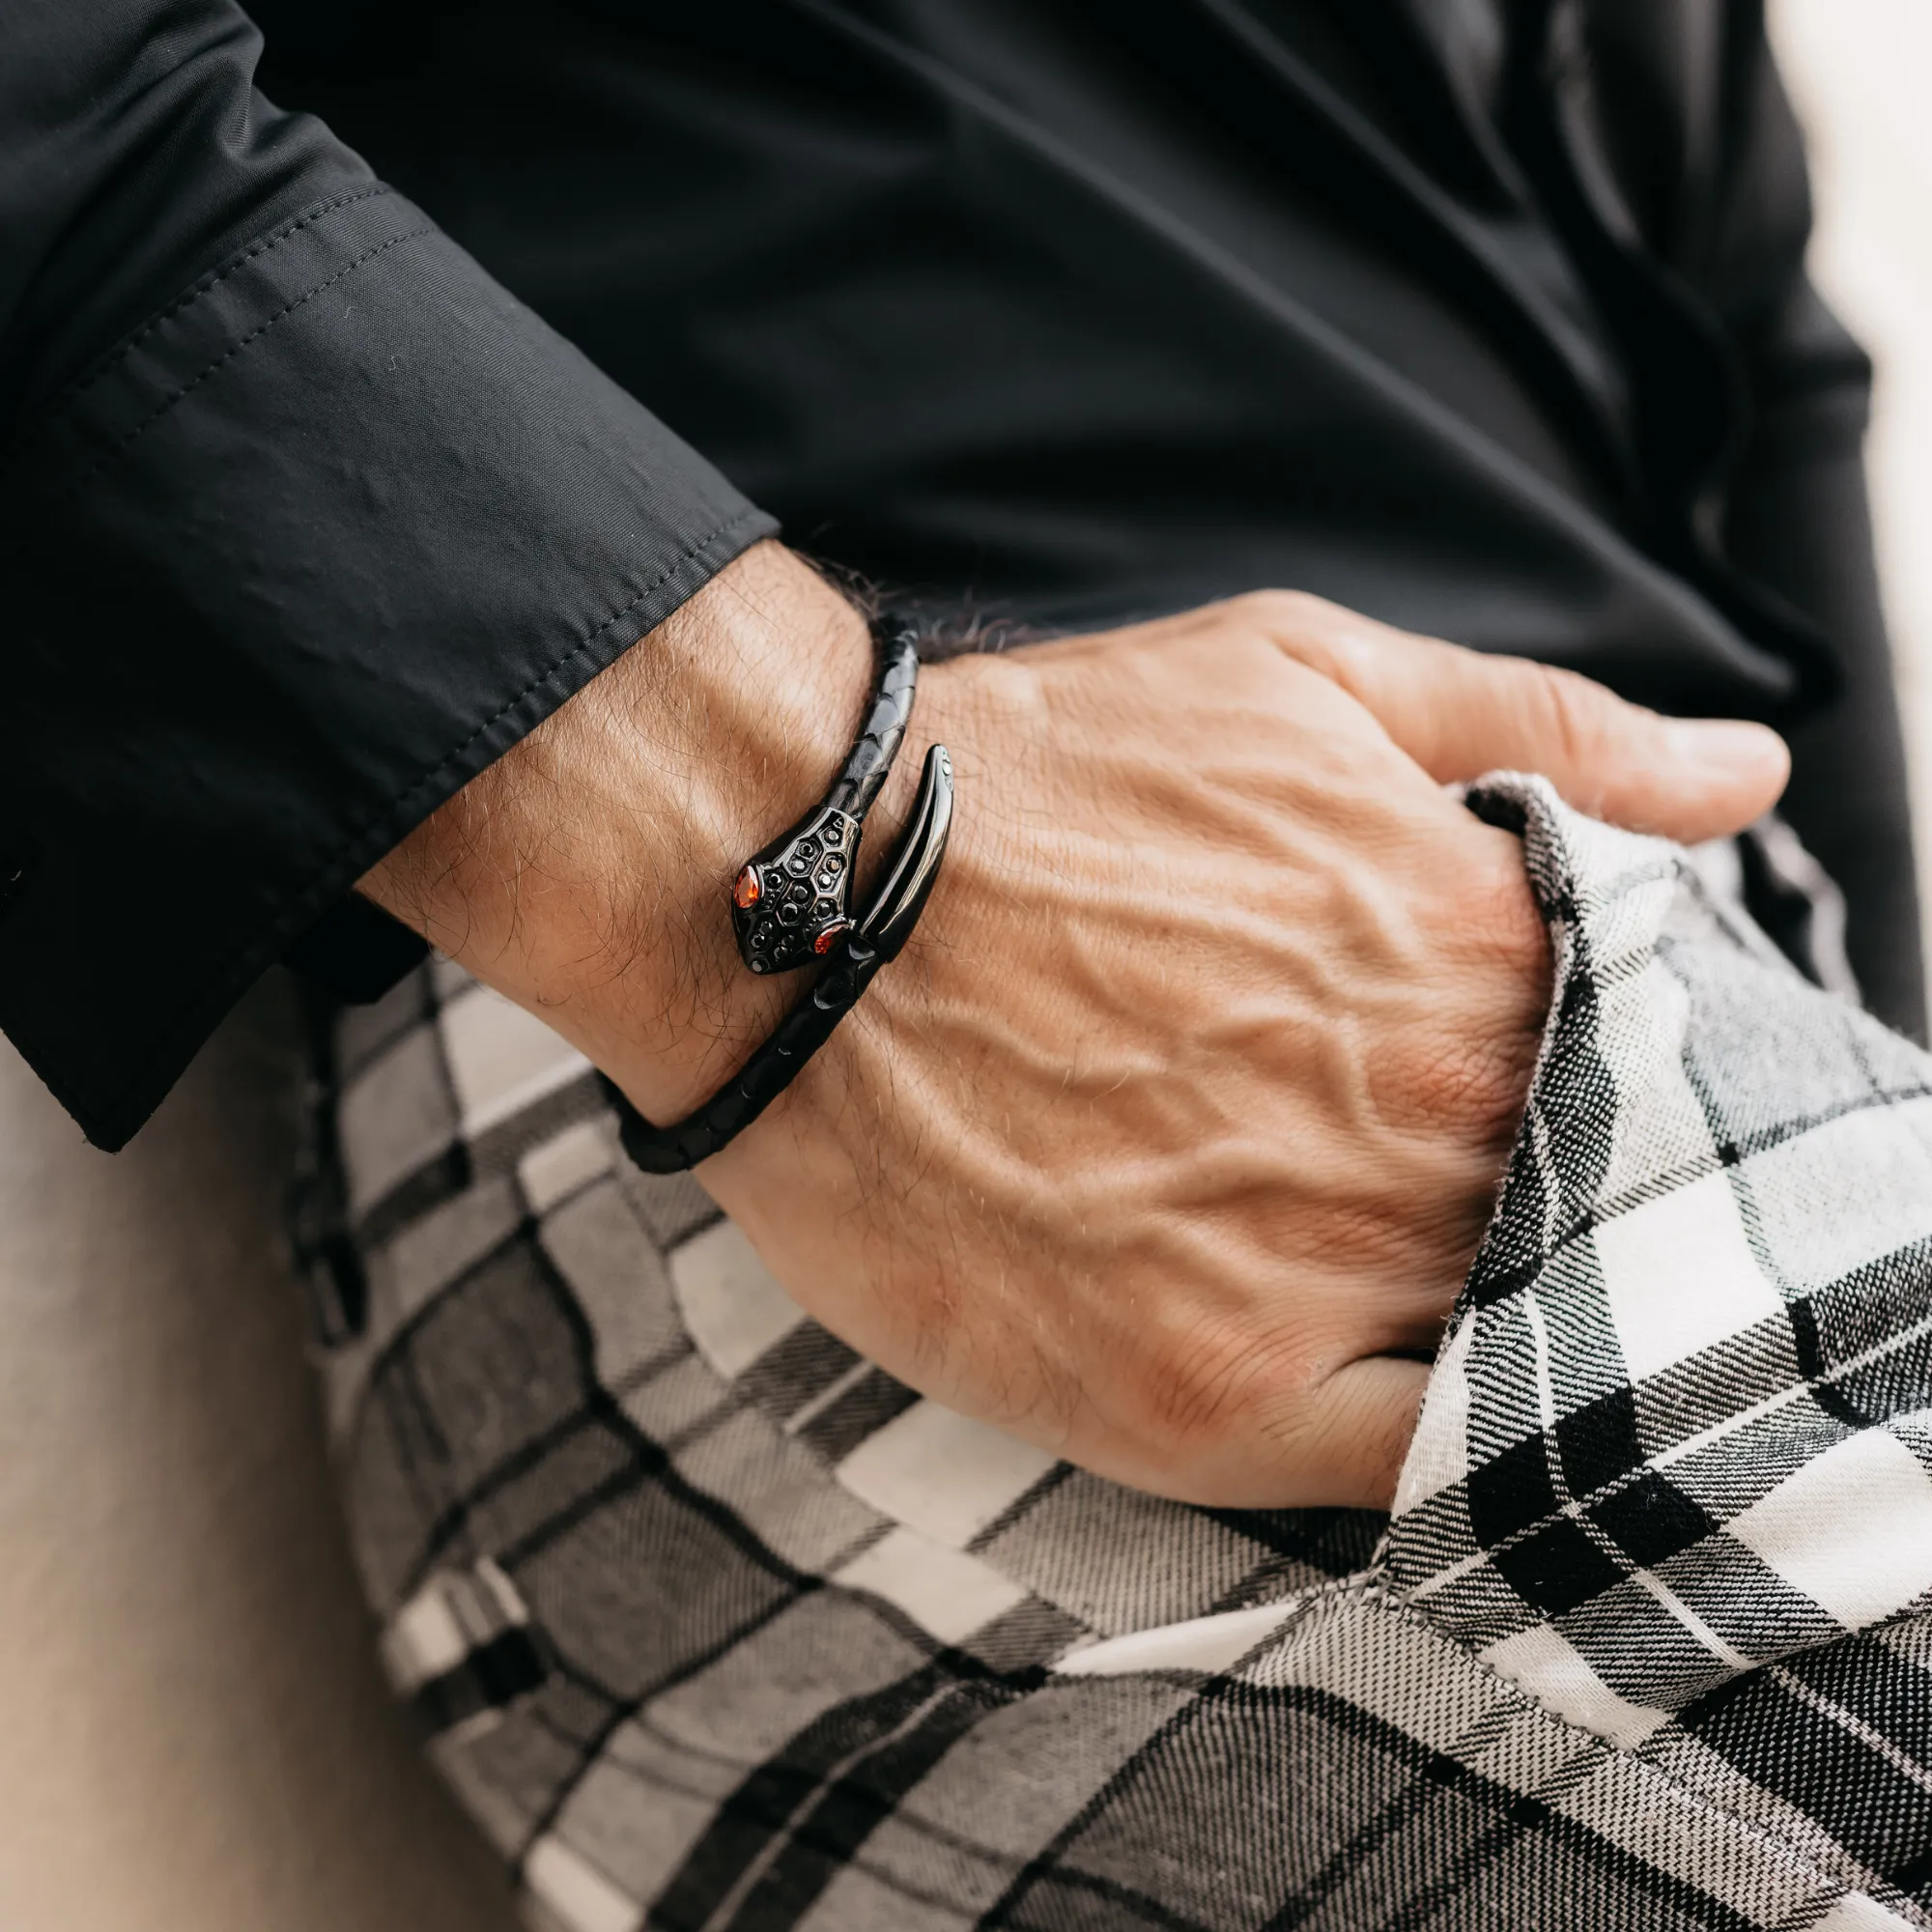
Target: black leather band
x: 791, y: 903
x: 879, y: 934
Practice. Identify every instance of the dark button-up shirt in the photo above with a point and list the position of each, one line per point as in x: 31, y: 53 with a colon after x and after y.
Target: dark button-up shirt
x: 1485, y: 319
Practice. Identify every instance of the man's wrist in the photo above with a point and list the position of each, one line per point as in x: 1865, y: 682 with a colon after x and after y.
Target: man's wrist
x: 585, y: 875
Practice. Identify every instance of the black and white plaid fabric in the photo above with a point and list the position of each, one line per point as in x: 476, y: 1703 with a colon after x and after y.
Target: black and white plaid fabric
x: 718, y: 1627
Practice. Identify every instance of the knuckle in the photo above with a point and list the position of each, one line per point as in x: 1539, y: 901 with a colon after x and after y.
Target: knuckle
x: 1343, y: 1445
x: 1363, y: 1443
x: 1579, y: 719
x: 1210, y: 1389
x: 1317, y: 1438
x: 1305, y: 627
x: 1246, y: 1408
x: 1284, y: 610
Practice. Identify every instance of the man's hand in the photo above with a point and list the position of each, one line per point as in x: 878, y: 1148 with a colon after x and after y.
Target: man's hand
x: 1169, y: 1139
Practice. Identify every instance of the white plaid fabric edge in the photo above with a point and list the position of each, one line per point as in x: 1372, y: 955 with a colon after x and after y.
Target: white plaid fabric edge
x: 1680, y: 1425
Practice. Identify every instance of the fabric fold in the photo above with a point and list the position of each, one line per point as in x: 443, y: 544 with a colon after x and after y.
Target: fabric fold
x: 1682, y: 1426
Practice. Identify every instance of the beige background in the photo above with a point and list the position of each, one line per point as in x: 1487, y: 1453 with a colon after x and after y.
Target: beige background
x: 193, y: 1735
x: 1860, y: 72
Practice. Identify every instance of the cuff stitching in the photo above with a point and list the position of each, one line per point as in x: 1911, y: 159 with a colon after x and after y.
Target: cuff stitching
x: 433, y: 777
x: 254, y: 959
x: 188, y: 297
x: 263, y: 245
x: 228, y: 355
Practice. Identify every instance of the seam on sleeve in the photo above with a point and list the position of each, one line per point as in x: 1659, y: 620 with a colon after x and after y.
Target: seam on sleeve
x: 226, y: 986
x: 228, y: 355
x: 205, y: 285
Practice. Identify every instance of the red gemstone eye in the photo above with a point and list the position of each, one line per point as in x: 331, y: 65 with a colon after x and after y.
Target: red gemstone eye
x: 830, y: 937
x: 745, y: 893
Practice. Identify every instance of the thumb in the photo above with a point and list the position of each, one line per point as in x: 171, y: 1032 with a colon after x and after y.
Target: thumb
x: 1459, y: 713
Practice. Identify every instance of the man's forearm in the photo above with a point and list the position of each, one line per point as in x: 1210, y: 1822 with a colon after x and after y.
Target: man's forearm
x: 584, y: 874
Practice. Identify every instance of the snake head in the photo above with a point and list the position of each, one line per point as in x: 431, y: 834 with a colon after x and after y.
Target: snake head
x: 791, y: 903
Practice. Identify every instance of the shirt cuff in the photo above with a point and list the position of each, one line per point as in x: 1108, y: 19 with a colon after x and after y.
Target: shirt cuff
x: 311, y: 549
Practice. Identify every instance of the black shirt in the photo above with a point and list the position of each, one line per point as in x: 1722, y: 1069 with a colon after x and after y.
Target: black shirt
x: 1488, y: 319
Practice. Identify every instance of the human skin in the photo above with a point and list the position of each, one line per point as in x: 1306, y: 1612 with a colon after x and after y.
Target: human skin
x: 1168, y: 1140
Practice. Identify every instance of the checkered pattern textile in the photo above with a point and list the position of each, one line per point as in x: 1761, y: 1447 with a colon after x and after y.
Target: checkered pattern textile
x: 718, y: 1626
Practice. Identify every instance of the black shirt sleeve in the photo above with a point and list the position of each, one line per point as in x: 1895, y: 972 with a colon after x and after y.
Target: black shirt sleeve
x: 304, y: 520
